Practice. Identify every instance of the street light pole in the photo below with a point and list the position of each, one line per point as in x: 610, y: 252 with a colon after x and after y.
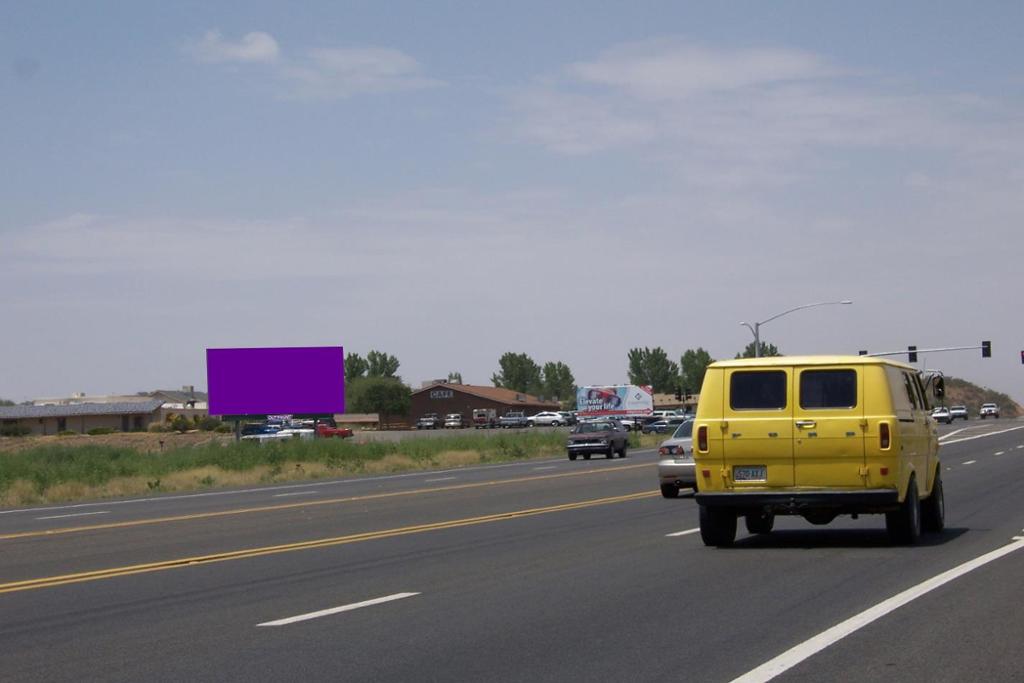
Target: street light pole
x: 756, y: 327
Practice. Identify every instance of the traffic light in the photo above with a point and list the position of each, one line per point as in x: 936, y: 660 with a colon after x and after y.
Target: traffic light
x: 679, y: 394
x: 862, y: 352
x: 986, y: 349
x: 1022, y: 356
x: 912, y: 354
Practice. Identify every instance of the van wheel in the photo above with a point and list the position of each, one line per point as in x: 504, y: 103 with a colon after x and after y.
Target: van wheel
x: 717, y: 526
x: 760, y: 523
x: 933, y: 509
x: 669, y: 491
x: 904, y: 525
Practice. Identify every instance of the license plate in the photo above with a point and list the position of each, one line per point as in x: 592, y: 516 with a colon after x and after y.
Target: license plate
x: 750, y: 473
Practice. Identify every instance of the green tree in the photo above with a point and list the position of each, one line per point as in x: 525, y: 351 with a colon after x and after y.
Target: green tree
x: 381, y: 364
x: 454, y: 378
x: 518, y: 372
x: 766, y: 350
x: 355, y: 367
x: 692, y: 367
x: 652, y: 366
x: 5, y: 402
x: 557, y: 381
x: 386, y: 396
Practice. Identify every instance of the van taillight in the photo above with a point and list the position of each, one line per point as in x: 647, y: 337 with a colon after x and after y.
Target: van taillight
x: 702, y: 439
x: 883, y: 436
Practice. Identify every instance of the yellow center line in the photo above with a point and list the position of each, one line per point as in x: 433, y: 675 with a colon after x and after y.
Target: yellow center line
x: 304, y: 504
x: 113, y: 572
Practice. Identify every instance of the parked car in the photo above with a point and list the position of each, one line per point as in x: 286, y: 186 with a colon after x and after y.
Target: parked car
x: 326, y: 431
x: 942, y: 414
x: 675, y: 462
x: 989, y: 410
x: 599, y: 436
x: 485, y: 418
x: 662, y: 426
x: 958, y: 412
x: 513, y: 418
x: 455, y: 421
x: 429, y: 421
x: 546, y: 418
x: 568, y: 416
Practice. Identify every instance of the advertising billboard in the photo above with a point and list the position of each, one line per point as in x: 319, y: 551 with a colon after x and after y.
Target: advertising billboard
x: 621, y: 399
x: 276, y: 381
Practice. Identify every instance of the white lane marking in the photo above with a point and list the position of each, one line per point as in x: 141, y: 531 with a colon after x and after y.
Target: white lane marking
x: 968, y: 462
x: 282, y: 487
x: 683, y: 533
x: 549, y: 467
x: 793, y: 656
x: 1000, y: 452
x: 982, y: 436
x: 1020, y: 446
x: 295, y: 493
x: 439, y: 479
x: 76, y: 514
x: 337, y: 610
x: 949, y: 434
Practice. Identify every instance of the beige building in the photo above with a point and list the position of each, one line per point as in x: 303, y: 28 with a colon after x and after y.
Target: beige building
x: 131, y: 416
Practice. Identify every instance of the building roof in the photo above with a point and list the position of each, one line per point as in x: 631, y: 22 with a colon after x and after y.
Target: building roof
x: 498, y: 394
x: 80, y: 409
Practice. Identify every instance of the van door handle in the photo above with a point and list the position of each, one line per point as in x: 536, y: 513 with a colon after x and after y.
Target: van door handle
x: 805, y: 423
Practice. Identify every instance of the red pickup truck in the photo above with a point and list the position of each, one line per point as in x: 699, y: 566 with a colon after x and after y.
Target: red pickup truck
x: 325, y: 431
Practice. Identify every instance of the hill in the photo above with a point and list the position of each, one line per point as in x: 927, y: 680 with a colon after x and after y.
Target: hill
x: 961, y: 392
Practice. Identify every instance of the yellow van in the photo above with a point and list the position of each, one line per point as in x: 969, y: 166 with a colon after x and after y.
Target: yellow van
x: 816, y: 436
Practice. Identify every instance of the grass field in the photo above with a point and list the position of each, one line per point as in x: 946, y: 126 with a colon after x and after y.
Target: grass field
x: 57, y: 472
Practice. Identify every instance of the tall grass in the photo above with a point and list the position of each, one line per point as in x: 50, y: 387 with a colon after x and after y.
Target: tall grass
x: 56, y: 471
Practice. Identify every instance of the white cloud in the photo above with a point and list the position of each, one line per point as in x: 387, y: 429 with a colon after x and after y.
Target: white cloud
x: 317, y: 73
x: 255, y: 47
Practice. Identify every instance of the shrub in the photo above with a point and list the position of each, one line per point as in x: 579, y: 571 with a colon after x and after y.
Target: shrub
x: 66, y: 432
x: 156, y: 427
x: 15, y: 430
x: 98, y: 431
x: 181, y: 424
x: 224, y: 428
x: 208, y: 423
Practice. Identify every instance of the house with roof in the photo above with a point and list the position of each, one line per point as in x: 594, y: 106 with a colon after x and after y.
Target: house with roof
x: 126, y: 416
x: 444, y: 397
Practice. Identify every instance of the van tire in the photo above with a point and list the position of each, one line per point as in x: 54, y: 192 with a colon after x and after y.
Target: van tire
x: 760, y: 523
x: 717, y: 526
x: 904, y: 525
x: 669, y: 491
x: 933, y: 509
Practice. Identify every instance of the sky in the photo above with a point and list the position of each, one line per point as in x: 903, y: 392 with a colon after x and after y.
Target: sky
x: 448, y: 181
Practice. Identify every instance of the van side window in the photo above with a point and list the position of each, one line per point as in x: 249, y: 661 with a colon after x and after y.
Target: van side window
x: 925, y: 403
x: 757, y: 390
x: 828, y: 389
x: 911, y: 392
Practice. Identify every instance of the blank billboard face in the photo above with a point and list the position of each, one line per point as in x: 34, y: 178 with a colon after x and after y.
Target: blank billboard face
x: 276, y: 381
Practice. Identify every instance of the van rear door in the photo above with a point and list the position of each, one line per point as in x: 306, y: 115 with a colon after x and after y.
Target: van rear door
x: 828, y: 446
x: 757, y: 436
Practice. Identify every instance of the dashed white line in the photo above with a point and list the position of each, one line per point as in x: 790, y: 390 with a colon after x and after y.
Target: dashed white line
x: 1020, y: 446
x: 439, y: 479
x: 296, y: 493
x: 549, y: 467
x: 1000, y: 452
x: 790, y: 658
x: 76, y: 514
x: 337, y: 610
x: 980, y: 436
x: 682, y: 533
x: 969, y: 462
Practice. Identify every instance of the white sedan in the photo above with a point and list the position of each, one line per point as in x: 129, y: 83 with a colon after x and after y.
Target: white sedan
x: 546, y: 418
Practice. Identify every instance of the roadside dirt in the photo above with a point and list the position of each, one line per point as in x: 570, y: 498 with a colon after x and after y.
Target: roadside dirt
x: 146, y: 442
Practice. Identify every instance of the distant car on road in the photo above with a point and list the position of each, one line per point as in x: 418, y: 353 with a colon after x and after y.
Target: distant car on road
x: 455, y: 421
x: 598, y: 436
x: 675, y: 462
x: 429, y: 421
x: 942, y: 414
x: 989, y: 410
x: 547, y: 418
x: 958, y: 412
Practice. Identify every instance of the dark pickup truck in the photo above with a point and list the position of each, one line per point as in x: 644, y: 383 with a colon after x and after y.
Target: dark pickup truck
x: 599, y: 436
x: 513, y: 419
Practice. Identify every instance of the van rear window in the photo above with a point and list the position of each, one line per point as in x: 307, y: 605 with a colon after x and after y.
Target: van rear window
x: 761, y: 390
x: 828, y: 389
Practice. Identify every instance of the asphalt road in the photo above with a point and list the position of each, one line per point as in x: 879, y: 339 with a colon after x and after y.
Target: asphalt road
x: 539, y: 571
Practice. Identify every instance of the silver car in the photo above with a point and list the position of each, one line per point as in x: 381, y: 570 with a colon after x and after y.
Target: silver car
x: 675, y: 462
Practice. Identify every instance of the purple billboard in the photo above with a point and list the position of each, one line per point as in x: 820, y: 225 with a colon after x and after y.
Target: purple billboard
x: 276, y: 381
